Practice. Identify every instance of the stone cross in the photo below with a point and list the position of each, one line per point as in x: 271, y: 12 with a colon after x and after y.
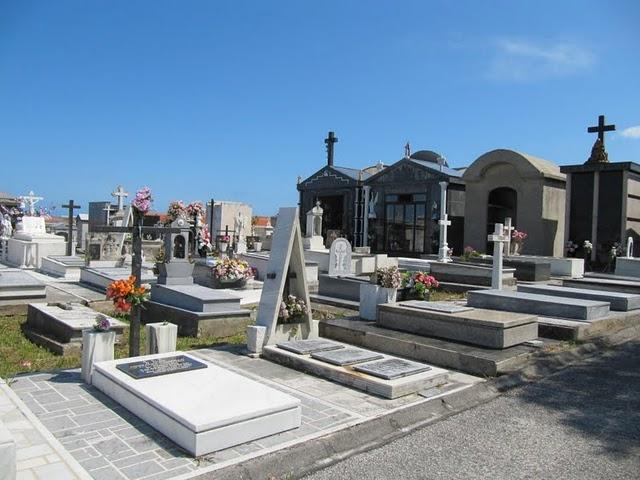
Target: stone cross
x: 329, y: 141
x: 30, y: 201
x: 71, y: 206
x: 629, y: 247
x: 508, y: 228
x: 601, y: 128
x: 498, y: 238
x: 119, y: 194
x: 444, y: 222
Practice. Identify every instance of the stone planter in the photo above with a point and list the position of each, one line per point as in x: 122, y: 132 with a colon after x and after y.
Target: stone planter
x: 161, y: 338
x: 371, y: 296
x: 257, y: 246
x: 96, y: 347
x: 229, y: 283
x: 255, y: 338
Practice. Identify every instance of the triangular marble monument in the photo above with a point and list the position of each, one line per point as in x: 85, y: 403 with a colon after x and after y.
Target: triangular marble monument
x: 285, y: 276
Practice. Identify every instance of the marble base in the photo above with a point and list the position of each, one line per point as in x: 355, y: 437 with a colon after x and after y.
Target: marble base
x: 29, y: 253
x: 628, y: 267
x: 224, y: 409
x: 62, y: 266
x: 561, y: 266
x: 16, y: 284
x: 96, y: 347
x: 622, y: 302
x: 101, y: 277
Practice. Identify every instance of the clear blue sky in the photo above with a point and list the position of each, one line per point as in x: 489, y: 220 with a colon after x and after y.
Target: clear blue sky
x: 232, y: 99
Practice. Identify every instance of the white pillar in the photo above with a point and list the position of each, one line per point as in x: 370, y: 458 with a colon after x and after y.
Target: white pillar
x: 365, y: 229
x: 444, y: 222
x: 498, y: 238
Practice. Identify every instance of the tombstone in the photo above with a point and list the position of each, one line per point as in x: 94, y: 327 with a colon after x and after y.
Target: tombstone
x: 313, y: 239
x: 508, y: 230
x: 444, y: 222
x: 119, y: 194
x: 285, y: 276
x: 340, y: 258
x: 629, y: 247
x: 498, y: 238
x: 240, y: 232
x: 176, y: 269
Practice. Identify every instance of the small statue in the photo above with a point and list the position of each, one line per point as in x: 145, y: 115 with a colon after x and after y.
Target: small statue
x: 372, y: 205
x: 7, y: 228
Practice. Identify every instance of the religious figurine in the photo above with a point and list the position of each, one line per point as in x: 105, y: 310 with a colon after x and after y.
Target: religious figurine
x: 7, y: 228
x: 240, y: 226
x: 372, y: 205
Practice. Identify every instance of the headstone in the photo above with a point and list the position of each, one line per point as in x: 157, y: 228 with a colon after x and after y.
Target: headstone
x: 346, y: 356
x: 392, y: 368
x: 508, y: 229
x: 176, y: 269
x: 444, y: 222
x: 340, y: 258
x: 629, y: 247
x: 119, y: 194
x: 498, y: 238
x: 305, y: 347
x: 285, y: 276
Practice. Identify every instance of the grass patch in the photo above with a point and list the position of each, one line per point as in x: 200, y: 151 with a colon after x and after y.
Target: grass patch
x: 19, y: 355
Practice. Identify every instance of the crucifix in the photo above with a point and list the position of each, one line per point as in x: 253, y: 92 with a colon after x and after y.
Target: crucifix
x: 601, y: 128
x: 119, y: 194
x: 329, y: 141
x: 71, y: 206
x: 498, y: 238
x: 407, y: 150
x: 444, y: 223
x: 31, y: 200
x: 136, y: 231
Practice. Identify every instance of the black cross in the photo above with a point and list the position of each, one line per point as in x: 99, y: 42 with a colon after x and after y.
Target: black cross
x: 330, y: 140
x: 136, y: 267
x: 601, y: 128
x: 71, y: 206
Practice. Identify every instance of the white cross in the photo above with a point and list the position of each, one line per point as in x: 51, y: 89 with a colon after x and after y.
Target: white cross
x: 31, y: 200
x: 108, y: 210
x: 508, y: 228
x: 629, y: 247
x: 120, y: 195
x: 498, y: 238
x: 444, y: 222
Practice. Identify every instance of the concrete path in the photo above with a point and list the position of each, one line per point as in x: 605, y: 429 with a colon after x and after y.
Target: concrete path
x: 581, y: 423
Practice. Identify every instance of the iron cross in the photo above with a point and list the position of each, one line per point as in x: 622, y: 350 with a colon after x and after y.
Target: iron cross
x: 601, y: 128
x: 71, y: 206
x: 329, y: 141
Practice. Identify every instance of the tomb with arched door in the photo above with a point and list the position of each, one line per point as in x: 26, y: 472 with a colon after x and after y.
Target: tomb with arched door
x: 529, y: 190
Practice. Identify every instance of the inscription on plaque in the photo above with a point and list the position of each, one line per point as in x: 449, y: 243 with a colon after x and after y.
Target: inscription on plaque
x: 392, y: 368
x: 160, y: 366
x: 346, y: 356
x: 305, y: 347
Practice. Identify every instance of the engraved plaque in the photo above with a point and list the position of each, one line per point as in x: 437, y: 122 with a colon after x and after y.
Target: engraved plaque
x: 305, y: 347
x: 160, y: 366
x: 392, y: 368
x: 346, y: 356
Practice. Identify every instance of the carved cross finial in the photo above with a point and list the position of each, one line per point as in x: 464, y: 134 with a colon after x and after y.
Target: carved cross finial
x: 601, y: 128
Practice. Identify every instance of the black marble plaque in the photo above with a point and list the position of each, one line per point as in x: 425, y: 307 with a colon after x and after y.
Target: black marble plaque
x: 160, y: 366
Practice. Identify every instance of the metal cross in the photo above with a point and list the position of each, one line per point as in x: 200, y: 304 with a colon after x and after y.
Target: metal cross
x: 601, y: 128
x: 120, y: 195
x: 329, y: 141
x: 71, y: 206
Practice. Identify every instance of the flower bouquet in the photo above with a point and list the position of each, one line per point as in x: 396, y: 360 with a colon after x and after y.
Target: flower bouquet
x: 231, y: 272
x: 176, y: 210
x: 125, y: 295
x: 102, y: 323
x: 518, y: 241
x: 292, y: 309
x: 470, y: 253
x: 417, y: 286
x: 143, y: 200
x: 389, y: 277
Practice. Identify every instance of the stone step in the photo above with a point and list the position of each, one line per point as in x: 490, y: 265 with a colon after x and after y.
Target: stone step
x: 532, y: 303
x: 622, y: 302
x: 605, y: 284
x: 471, y: 359
x: 195, y: 298
x: 486, y: 328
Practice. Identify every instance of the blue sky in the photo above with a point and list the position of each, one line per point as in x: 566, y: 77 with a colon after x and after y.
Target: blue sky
x: 232, y: 100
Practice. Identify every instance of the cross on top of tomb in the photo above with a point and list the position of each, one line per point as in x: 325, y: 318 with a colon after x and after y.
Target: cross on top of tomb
x: 119, y: 194
x: 329, y: 141
x: 407, y: 150
x: 71, y: 207
x: 601, y: 128
x: 30, y: 202
x: 498, y: 238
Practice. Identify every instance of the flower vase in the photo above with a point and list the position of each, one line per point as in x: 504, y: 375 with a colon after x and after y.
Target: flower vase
x: 161, y: 338
x: 372, y: 295
x: 96, y: 347
x: 257, y: 246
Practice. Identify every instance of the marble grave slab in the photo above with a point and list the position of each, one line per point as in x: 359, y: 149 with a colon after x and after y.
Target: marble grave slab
x: 346, y: 356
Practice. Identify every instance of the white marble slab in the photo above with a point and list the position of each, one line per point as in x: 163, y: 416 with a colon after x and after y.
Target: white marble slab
x: 201, y: 410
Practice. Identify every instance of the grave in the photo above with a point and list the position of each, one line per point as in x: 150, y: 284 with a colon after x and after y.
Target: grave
x: 16, y: 284
x: 560, y: 266
x: 195, y: 309
x: 628, y: 266
x: 313, y: 235
x: 450, y: 321
x: 526, y: 269
x: 467, y: 276
x: 618, y: 301
x: 379, y: 374
x: 63, y: 266
x: 224, y: 408
x: 340, y: 281
x: 609, y: 284
x: 100, y: 277
x: 532, y: 303
x: 31, y: 242
x: 58, y: 327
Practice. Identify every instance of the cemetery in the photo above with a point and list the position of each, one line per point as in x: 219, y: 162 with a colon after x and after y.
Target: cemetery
x: 322, y: 323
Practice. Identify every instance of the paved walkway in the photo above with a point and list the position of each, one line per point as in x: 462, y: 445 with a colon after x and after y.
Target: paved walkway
x: 581, y: 423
